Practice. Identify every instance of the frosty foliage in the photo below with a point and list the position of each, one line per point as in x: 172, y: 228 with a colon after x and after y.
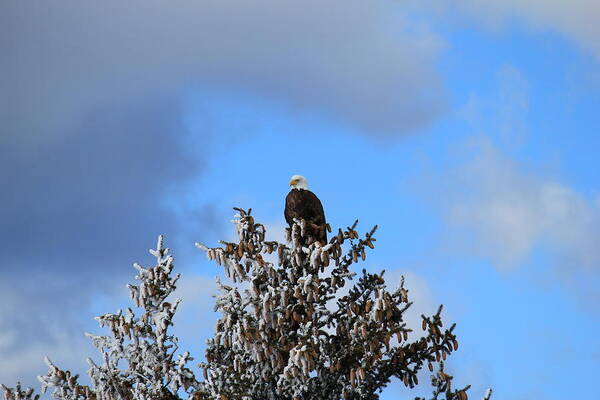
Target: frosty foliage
x: 18, y: 394
x: 143, y: 345
x: 279, y: 337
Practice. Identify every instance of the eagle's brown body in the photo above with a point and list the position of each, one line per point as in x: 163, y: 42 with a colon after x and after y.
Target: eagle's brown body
x: 303, y: 204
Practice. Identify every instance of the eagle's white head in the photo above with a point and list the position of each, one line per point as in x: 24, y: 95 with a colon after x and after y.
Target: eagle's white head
x: 298, y: 182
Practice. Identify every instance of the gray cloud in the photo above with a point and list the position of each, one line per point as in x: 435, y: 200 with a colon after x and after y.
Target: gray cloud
x: 92, y: 140
x: 76, y: 211
x: 343, y: 59
x: 105, y: 179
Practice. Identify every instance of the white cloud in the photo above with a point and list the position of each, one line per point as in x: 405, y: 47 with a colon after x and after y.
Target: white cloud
x: 43, y: 328
x: 501, y: 113
x: 195, y: 319
x: 37, y: 320
x: 419, y: 292
x: 64, y: 347
x: 575, y: 19
x: 507, y: 212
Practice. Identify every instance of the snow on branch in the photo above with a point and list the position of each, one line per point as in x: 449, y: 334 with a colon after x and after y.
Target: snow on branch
x: 297, y: 322
x: 153, y: 368
x: 18, y: 394
x: 279, y: 339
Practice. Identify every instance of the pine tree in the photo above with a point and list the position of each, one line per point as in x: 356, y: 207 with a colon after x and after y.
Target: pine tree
x: 288, y: 330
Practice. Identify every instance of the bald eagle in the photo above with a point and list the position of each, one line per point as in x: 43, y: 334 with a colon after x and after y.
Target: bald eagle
x: 301, y: 203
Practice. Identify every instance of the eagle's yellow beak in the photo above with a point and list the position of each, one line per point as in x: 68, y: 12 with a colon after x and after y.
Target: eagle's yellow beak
x: 292, y: 182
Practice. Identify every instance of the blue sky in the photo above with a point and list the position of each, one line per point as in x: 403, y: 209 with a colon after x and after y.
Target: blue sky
x: 467, y: 133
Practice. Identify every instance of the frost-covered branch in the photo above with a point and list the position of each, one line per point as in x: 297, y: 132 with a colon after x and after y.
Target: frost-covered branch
x: 143, y: 345
x: 294, y: 325
x: 17, y: 393
x: 286, y: 332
